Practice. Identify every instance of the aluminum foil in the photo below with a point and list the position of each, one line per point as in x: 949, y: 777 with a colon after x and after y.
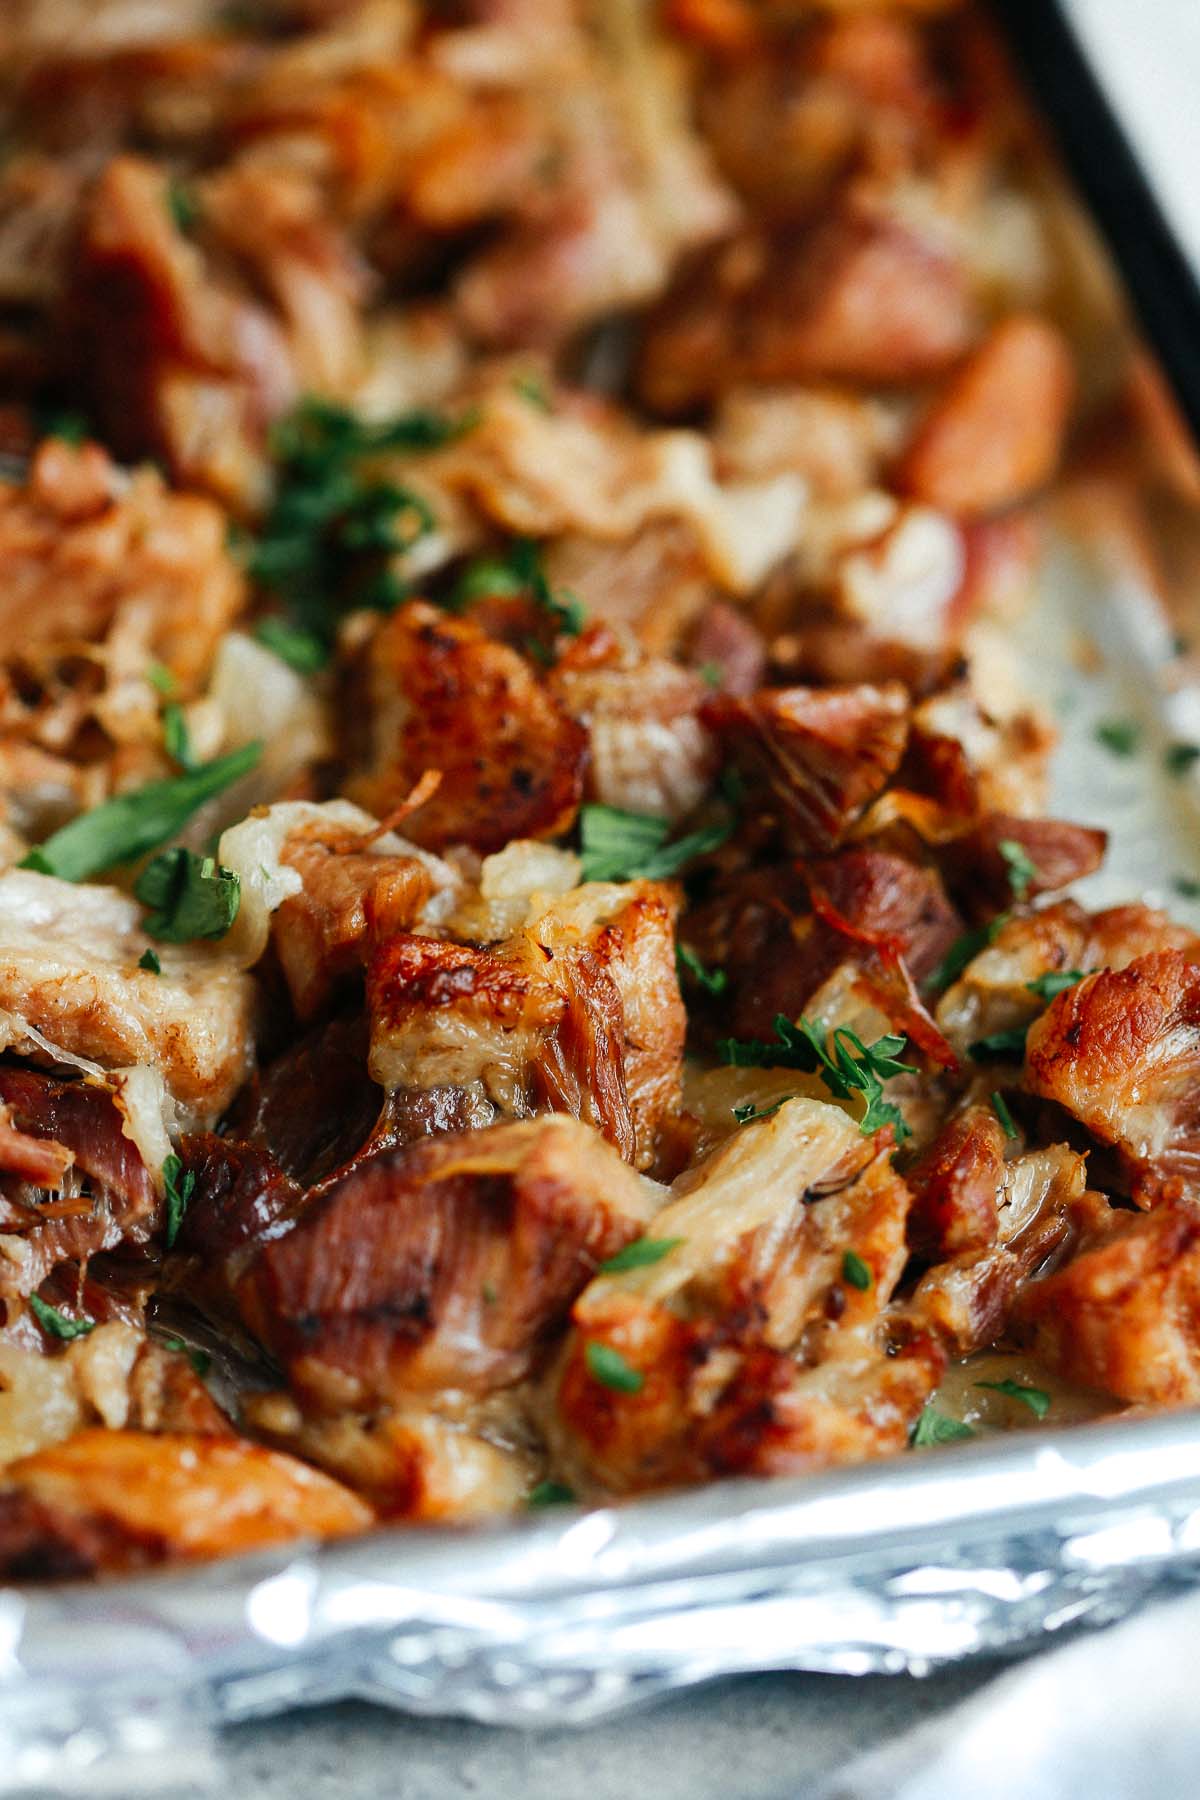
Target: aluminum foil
x: 117, y: 1688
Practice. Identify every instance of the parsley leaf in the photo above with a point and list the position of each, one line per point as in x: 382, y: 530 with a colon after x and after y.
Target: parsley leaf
x: 713, y: 981
x: 161, y: 678
x: 533, y: 389
x: 1121, y: 736
x: 1179, y: 758
x: 749, y: 1114
x: 178, y: 1193
x: 639, y: 1255
x: 1055, y: 982
x: 934, y: 1427
x: 609, y: 1368
x: 182, y: 205
x: 148, y: 960
x: 1036, y: 1399
x: 964, y: 950
x: 64, y: 423
x: 856, y: 1271
x: 1022, y: 870
x: 59, y: 1324
x: 519, y: 571
x: 300, y: 650
x: 1000, y: 1108
x: 334, y: 525
x: 549, y: 1493
x: 1187, y: 886
x: 853, y: 1067
x: 175, y: 736
x: 189, y: 897
x: 200, y: 1360
x: 125, y: 827
x: 1000, y: 1046
x: 627, y: 846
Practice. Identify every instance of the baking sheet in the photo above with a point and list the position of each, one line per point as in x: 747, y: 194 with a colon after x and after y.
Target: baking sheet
x: 117, y: 1687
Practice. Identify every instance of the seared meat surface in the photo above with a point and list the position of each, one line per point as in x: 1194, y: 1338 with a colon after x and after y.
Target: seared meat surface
x: 531, y: 921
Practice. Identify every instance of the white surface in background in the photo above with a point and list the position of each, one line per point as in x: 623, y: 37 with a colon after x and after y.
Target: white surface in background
x: 1147, y: 53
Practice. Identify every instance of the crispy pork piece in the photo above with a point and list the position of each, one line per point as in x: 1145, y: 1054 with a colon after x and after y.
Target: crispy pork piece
x: 1041, y: 1204
x: 863, y: 297
x: 648, y: 749
x: 120, y: 1500
x: 579, y: 1010
x: 957, y: 1186
x: 1124, y: 1314
x: 993, y: 992
x: 442, y: 1265
x: 115, y: 1376
x: 1119, y: 1053
x: 755, y: 1343
x: 100, y: 1194
x: 444, y: 696
x: 822, y: 755
x: 84, y: 547
x: 994, y: 435
x: 73, y: 991
x: 985, y: 867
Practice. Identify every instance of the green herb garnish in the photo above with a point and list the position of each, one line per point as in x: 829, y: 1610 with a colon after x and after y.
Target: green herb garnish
x: 1055, y: 982
x: 334, y: 525
x: 148, y: 960
x: 626, y: 846
x: 1000, y: 1046
x: 549, y: 1493
x: 1187, y: 886
x: 749, y: 1114
x: 176, y: 739
x: 519, y: 570
x: 533, y: 389
x: 1034, y: 1398
x: 639, y: 1255
x: 59, y: 1324
x: 182, y: 204
x: 124, y: 828
x: 64, y: 423
x: 610, y: 1369
x: 856, y: 1271
x: 1000, y: 1108
x: 1121, y: 736
x: 189, y: 896
x: 200, y: 1360
x: 713, y: 981
x: 300, y: 650
x: 1179, y: 758
x: 178, y: 1187
x: 964, y: 950
x: 852, y: 1068
x: 1022, y: 870
x: 161, y: 679
x: 934, y: 1427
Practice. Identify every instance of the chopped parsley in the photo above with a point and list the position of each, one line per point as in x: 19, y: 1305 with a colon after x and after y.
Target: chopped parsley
x: 1187, y: 886
x: 200, y: 1360
x: 852, y: 1068
x: 178, y: 1187
x: 176, y: 739
x: 1120, y: 736
x: 1000, y: 1108
x: 856, y: 1271
x: 1000, y: 1046
x: 519, y: 570
x: 533, y: 389
x: 749, y: 1114
x: 161, y: 679
x: 1036, y: 1399
x: 549, y: 1493
x: 64, y: 423
x: 609, y: 1368
x: 1055, y: 982
x: 1179, y: 758
x: 627, y: 846
x: 148, y: 960
x: 639, y: 1255
x: 1022, y: 870
x: 713, y: 981
x: 934, y: 1427
x: 300, y: 650
x: 59, y: 1324
x: 335, y: 524
x: 711, y: 674
x: 964, y: 950
x: 129, y: 825
x: 188, y: 896
x: 182, y: 205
